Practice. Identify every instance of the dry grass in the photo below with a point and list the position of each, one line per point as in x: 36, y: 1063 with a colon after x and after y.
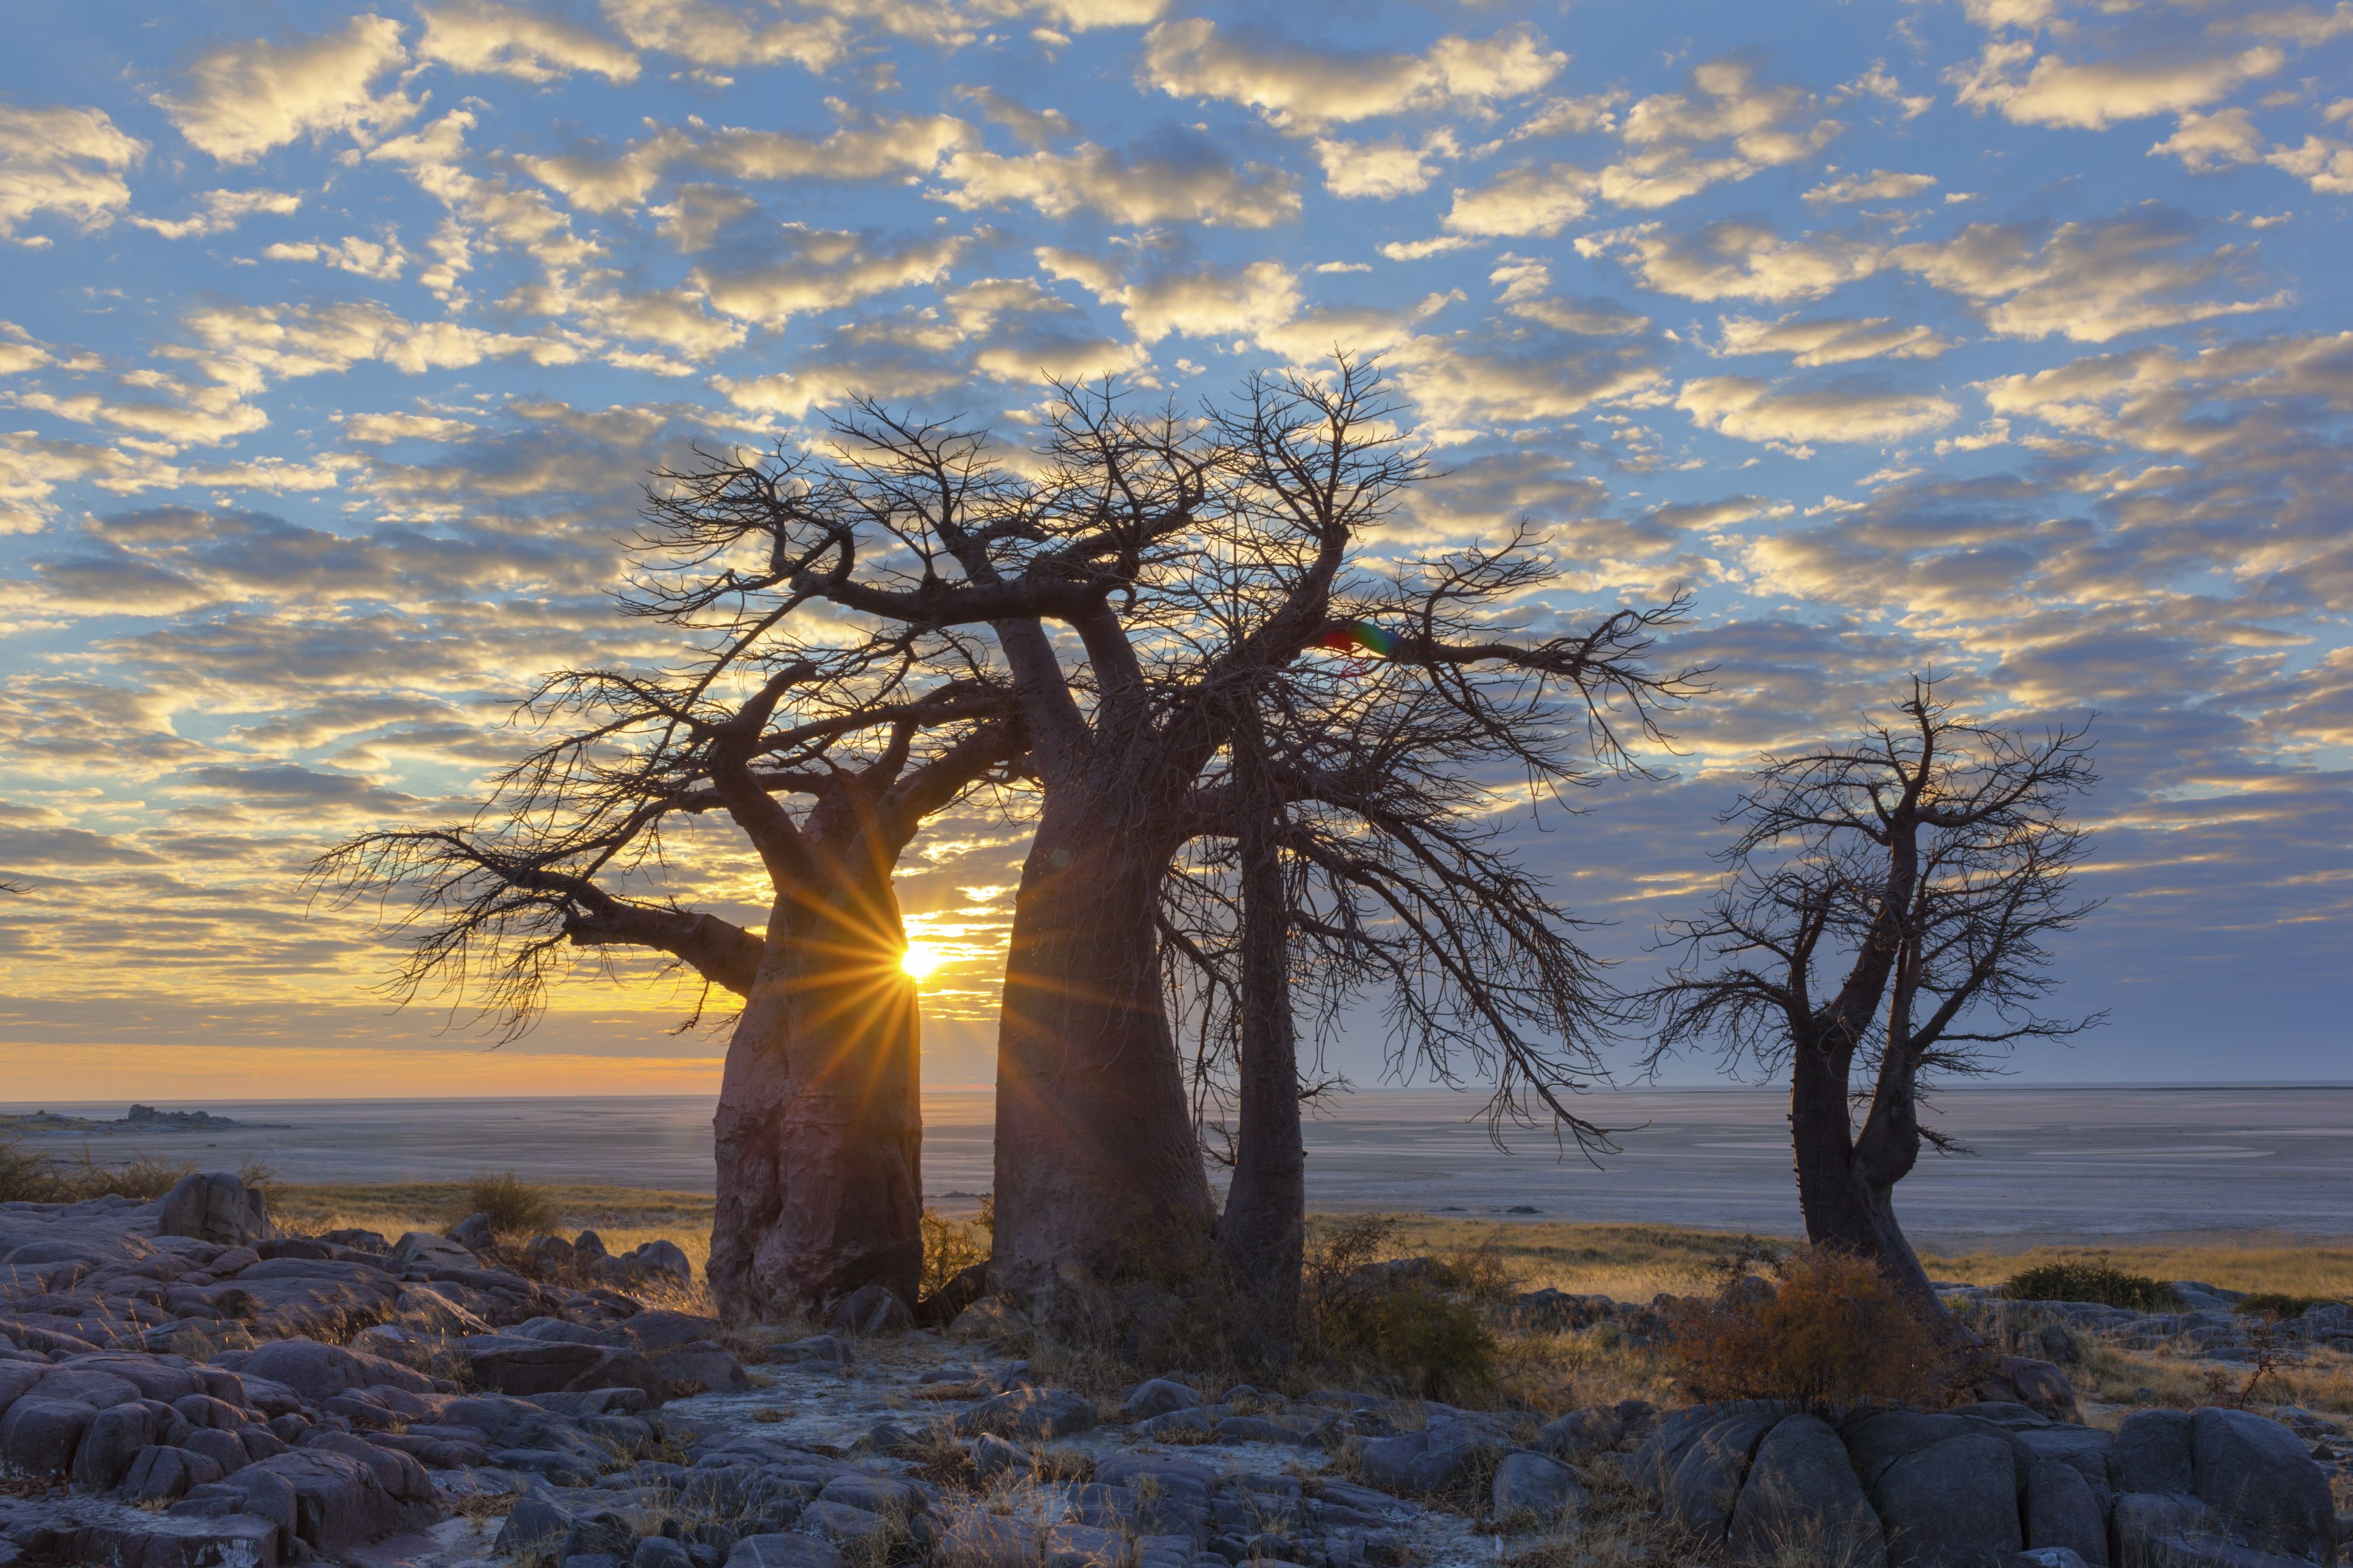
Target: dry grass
x: 2252, y: 1262
x: 1830, y: 1334
x: 1626, y: 1262
x: 1636, y: 1262
x: 624, y: 1217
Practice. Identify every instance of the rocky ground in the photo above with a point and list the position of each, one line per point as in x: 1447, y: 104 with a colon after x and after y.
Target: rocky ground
x: 180, y: 1387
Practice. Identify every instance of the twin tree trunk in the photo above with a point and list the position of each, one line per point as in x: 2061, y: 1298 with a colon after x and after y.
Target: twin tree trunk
x: 819, y: 1126
x: 1264, y: 1232
x: 1846, y: 1182
x: 1096, y: 1163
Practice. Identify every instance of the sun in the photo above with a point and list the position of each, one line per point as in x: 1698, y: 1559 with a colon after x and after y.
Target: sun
x: 920, y: 959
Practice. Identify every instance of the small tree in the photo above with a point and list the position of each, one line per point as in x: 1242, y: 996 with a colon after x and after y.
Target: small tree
x: 1921, y: 870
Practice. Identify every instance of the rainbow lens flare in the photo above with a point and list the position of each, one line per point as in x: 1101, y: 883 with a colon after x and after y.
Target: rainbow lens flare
x: 1359, y: 636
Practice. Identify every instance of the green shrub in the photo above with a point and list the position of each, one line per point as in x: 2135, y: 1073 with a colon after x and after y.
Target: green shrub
x: 952, y: 1246
x: 1363, y: 1317
x: 26, y: 1177
x: 2086, y: 1281
x: 515, y: 1208
x: 2277, y: 1303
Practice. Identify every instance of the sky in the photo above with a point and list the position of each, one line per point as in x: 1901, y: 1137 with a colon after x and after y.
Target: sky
x: 2005, y: 338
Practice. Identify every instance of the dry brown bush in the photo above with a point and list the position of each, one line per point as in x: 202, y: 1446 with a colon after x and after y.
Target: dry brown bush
x: 1835, y: 1333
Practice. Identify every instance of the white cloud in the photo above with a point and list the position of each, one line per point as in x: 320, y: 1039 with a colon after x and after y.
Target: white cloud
x: 823, y: 269
x: 2205, y: 143
x: 383, y: 259
x: 1190, y: 181
x: 2095, y: 95
x: 1422, y: 249
x: 610, y: 183
x: 65, y: 161
x: 1830, y: 340
x: 1735, y: 259
x: 1304, y: 87
x: 2327, y: 166
x: 1992, y: 14
x: 486, y: 213
x: 615, y: 181
x: 1523, y: 292
x: 184, y: 415
x: 1381, y: 169
x: 32, y: 467
x: 1540, y: 199
x: 1879, y: 185
x: 1461, y: 387
x: 247, y: 346
x: 243, y: 99
x: 1766, y: 127
x: 1753, y: 410
x: 2089, y: 280
x: 378, y: 428
x: 1205, y: 303
x: 507, y: 40
x: 693, y: 217
x: 1082, y: 15
x: 224, y: 210
x: 723, y: 39
x: 909, y: 144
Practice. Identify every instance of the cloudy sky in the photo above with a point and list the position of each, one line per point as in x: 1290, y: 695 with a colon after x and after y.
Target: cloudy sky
x: 2004, y: 338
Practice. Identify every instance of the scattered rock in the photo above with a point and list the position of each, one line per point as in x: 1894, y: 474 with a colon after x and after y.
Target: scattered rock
x: 990, y: 1318
x: 1953, y: 1504
x: 871, y: 1311
x: 1415, y: 1462
x: 1535, y: 1488
x: 1158, y: 1397
x: 423, y: 1249
x: 215, y: 1207
x: 784, y: 1551
x: 474, y: 1233
x: 1029, y: 1412
x: 1800, y: 1496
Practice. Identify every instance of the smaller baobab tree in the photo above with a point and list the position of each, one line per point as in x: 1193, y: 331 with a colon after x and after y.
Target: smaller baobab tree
x: 1885, y: 921
x: 826, y: 747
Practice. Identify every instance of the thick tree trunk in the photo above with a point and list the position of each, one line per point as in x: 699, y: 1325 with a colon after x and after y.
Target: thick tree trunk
x: 818, y: 1133
x: 1265, y: 1225
x: 1096, y: 1160
x: 1846, y: 1192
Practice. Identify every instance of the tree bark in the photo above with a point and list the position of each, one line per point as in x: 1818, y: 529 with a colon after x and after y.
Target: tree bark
x: 1846, y: 1185
x: 819, y: 1132
x: 1096, y: 1158
x: 1264, y: 1231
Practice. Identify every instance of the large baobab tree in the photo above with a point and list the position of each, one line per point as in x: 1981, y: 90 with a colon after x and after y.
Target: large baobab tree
x: 1885, y: 920
x: 825, y: 751
x: 1083, y: 570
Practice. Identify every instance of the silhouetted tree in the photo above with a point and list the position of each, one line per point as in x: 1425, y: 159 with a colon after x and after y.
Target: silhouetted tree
x: 1347, y: 853
x: 1920, y: 869
x: 1088, y: 565
x: 827, y: 760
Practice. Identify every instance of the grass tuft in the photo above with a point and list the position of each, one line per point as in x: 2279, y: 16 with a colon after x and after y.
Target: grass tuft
x: 517, y: 1208
x: 2089, y: 1282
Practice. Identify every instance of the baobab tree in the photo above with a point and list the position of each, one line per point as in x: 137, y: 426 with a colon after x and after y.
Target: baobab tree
x: 1921, y: 870
x: 1349, y: 854
x: 1082, y: 572
x: 826, y: 760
